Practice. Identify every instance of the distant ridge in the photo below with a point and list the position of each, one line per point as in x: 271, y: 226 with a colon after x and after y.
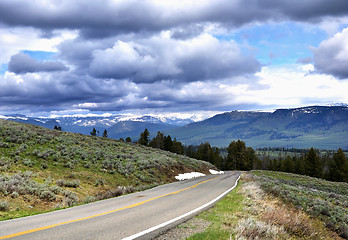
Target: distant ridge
x: 323, y: 127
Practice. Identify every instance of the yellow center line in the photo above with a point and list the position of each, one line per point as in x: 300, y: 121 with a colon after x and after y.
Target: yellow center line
x: 101, y: 214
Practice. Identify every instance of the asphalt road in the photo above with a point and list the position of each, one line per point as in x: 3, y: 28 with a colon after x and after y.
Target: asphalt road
x: 132, y: 216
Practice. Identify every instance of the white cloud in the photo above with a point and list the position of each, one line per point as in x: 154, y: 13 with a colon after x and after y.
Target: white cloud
x: 293, y: 86
x: 331, y: 57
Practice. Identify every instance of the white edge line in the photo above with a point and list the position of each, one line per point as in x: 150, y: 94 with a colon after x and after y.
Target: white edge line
x: 182, y: 216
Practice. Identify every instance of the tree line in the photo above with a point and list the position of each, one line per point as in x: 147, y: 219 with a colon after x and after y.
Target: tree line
x: 241, y: 157
x: 332, y: 167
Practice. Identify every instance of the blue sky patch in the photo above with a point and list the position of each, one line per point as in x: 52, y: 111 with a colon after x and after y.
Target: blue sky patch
x: 278, y: 44
x: 40, y: 55
x: 3, y: 68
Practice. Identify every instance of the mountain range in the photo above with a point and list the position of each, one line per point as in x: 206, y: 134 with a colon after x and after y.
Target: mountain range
x: 117, y: 125
x: 324, y: 127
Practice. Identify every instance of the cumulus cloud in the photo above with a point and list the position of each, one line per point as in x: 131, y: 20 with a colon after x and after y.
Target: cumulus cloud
x: 163, y: 58
x: 23, y: 63
x: 331, y: 57
x: 126, y: 61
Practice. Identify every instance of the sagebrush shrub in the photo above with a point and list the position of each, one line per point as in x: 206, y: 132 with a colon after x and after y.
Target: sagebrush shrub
x: 4, y: 206
x: 48, y: 195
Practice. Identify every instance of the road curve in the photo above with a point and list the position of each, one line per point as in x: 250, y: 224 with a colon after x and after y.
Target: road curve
x: 140, y: 215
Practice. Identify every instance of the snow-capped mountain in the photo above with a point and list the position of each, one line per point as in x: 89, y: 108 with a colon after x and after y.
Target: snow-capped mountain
x: 85, y: 123
x: 110, y: 120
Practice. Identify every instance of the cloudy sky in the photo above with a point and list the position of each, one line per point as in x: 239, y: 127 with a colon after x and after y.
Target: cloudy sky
x: 166, y: 56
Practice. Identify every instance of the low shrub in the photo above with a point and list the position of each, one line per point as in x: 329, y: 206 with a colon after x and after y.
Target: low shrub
x: 55, y: 189
x: 99, y: 181
x: 48, y: 195
x: 28, y: 162
x: 14, y: 195
x: 71, y: 198
x: 44, y: 165
x: 66, y: 183
x: 4, y: 206
x: 120, y: 190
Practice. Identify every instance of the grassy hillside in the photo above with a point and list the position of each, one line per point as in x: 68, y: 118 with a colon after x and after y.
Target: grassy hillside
x: 325, y: 200
x: 43, y: 169
x: 273, y: 205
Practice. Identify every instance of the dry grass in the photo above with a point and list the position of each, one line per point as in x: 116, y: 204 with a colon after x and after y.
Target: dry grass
x: 250, y: 228
x: 269, y: 218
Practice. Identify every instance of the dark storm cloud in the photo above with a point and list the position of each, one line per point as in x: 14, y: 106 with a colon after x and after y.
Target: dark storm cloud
x: 307, y: 10
x: 187, y: 32
x: 106, y: 18
x: 51, y: 90
x: 331, y: 57
x: 23, y: 63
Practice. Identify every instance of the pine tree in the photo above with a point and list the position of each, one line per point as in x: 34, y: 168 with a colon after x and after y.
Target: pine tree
x: 299, y: 164
x: 312, y: 164
x: 190, y: 152
x: 338, y: 167
x: 94, y: 132
x: 158, y: 141
x: 168, y: 143
x: 250, y: 158
x: 105, y: 133
x: 177, y: 147
x: 239, y: 156
x: 144, y: 138
x: 58, y: 128
x: 128, y: 139
x: 287, y: 165
x: 217, y: 159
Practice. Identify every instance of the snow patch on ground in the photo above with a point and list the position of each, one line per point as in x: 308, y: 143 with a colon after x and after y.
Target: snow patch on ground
x: 190, y: 175
x: 215, y: 172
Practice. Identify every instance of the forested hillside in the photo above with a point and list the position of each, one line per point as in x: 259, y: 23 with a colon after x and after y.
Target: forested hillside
x: 318, y: 126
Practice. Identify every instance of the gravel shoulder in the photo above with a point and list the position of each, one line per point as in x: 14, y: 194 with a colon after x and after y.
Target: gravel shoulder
x: 185, y: 229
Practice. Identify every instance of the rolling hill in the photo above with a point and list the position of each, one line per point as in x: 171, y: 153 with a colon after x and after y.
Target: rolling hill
x: 43, y: 169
